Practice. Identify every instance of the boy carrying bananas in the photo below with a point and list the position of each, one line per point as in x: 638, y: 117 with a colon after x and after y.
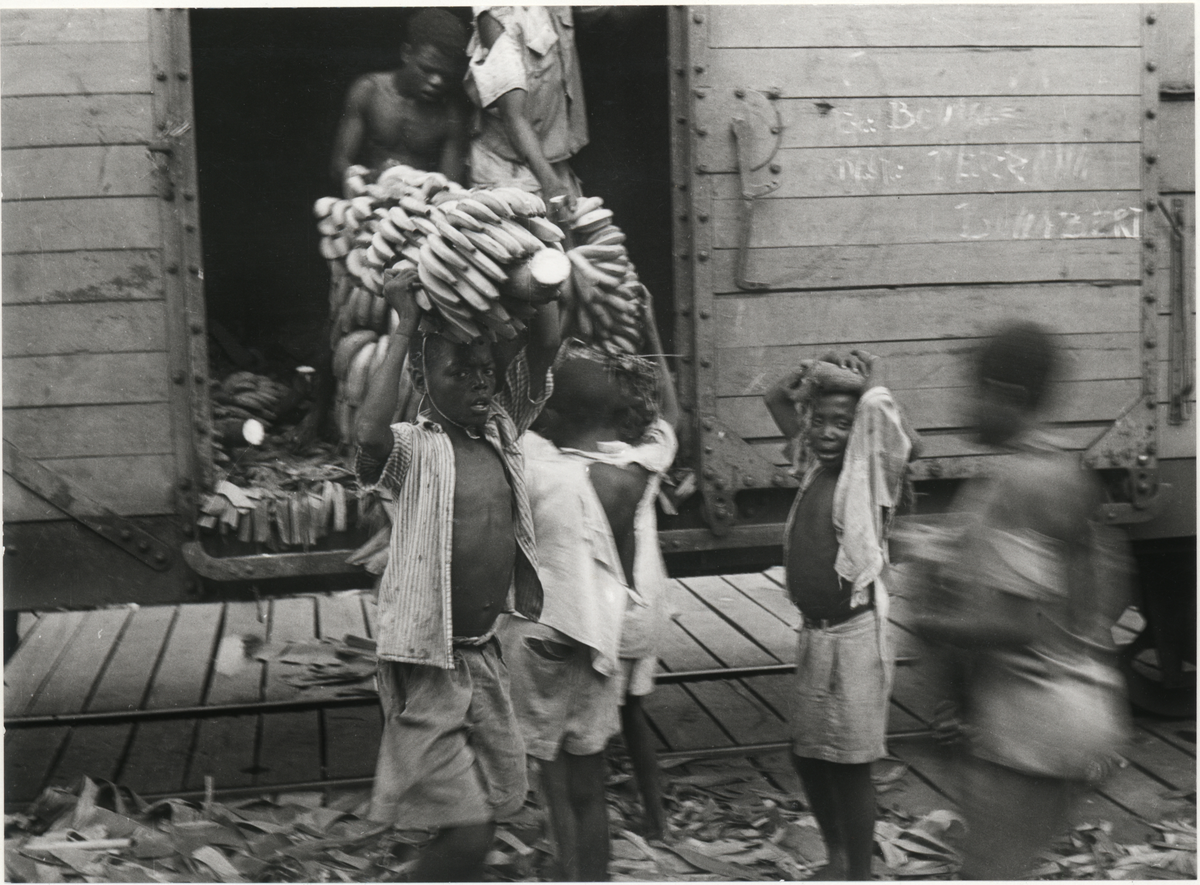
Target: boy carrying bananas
x: 451, y: 756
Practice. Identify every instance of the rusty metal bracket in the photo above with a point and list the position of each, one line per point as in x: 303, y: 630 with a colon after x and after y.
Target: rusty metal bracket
x: 743, y: 145
x: 64, y: 494
x: 1181, y: 378
x: 1130, y: 444
x: 730, y: 465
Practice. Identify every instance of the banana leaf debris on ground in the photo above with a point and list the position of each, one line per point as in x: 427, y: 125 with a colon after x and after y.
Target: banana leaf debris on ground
x: 727, y: 823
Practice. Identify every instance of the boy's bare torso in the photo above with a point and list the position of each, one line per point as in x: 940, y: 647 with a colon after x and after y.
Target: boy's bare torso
x: 403, y: 129
x: 484, y: 549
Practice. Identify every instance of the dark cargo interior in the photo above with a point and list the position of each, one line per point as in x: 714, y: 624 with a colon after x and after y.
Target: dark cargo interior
x: 269, y: 85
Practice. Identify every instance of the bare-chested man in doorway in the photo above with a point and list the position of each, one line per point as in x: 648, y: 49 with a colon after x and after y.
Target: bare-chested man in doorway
x: 415, y: 114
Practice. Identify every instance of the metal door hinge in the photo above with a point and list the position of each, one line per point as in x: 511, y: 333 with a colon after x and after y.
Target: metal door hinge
x: 64, y: 494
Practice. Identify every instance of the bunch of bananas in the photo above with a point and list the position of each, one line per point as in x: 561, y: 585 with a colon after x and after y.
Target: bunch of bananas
x: 248, y: 395
x: 484, y: 259
x: 605, y: 302
x: 244, y: 405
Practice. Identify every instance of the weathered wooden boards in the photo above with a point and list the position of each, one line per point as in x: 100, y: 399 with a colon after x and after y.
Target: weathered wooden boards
x: 165, y: 656
x: 85, y: 364
x: 936, y: 170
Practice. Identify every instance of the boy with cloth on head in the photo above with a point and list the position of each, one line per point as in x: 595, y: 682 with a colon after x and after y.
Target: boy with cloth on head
x: 850, y: 446
x: 451, y: 756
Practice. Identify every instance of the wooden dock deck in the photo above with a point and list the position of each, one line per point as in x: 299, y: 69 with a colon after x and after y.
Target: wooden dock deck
x: 150, y: 698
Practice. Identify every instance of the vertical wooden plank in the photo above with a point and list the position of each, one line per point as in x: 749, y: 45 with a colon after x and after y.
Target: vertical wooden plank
x: 742, y: 612
x: 224, y: 750
x: 290, y: 749
x: 80, y: 666
x: 293, y: 619
x: 28, y: 755
x: 182, y: 671
x: 351, y: 741
x: 123, y: 684
x: 341, y: 613
x: 178, y: 228
x: 33, y: 662
x: 370, y: 612
x: 722, y: 640
x: 352, y: 733
x: 157, y: 758
x: 241, y: 634
x: 683, y: 724
x: 93, y: 751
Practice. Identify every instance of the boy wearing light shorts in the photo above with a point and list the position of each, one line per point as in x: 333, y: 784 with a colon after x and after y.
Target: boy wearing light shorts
x: 567, y: 683
x: 850, y: 446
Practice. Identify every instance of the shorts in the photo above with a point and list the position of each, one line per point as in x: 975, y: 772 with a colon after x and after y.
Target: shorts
x: 451, y: 752
x: 489, y: 169
x: 840, y: 695
x: 637, y: 676
x: 562, y: 703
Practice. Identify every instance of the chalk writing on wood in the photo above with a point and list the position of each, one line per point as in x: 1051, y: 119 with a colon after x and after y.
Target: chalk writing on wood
x: 899, y: 115
x: 963, y: 167
x: 1045, y: 223
x: 1063, y: 164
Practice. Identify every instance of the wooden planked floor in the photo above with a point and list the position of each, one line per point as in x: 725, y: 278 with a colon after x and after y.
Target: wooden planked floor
x: 196, y: 655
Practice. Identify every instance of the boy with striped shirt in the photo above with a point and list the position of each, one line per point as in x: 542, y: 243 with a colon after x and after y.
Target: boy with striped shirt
x: 451, y: 757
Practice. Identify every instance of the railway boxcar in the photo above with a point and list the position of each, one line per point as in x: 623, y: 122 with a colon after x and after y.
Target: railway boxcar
x: 892, y: 177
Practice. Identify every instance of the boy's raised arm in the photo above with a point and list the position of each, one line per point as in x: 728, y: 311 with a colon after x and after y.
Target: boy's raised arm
x: 374, y: 419
x: 544, y: 340
x: 781, y: 403
x: 454, y: 151
x: 667, y: 397
x: 521, y: 136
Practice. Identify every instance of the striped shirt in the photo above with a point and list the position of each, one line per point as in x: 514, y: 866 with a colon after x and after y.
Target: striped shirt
x: 415, y: 590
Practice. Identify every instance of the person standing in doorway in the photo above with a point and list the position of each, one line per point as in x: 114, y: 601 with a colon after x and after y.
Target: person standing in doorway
x: 415, y: 114
x: 524, y: 77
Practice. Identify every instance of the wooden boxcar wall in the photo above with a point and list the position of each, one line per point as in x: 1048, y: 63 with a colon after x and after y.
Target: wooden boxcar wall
x: 935, y: 169
x: 95, y: 365
x: 1173, y: 50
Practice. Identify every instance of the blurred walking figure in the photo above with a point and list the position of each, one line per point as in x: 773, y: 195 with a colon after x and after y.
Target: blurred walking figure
x: 1030, y: 587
